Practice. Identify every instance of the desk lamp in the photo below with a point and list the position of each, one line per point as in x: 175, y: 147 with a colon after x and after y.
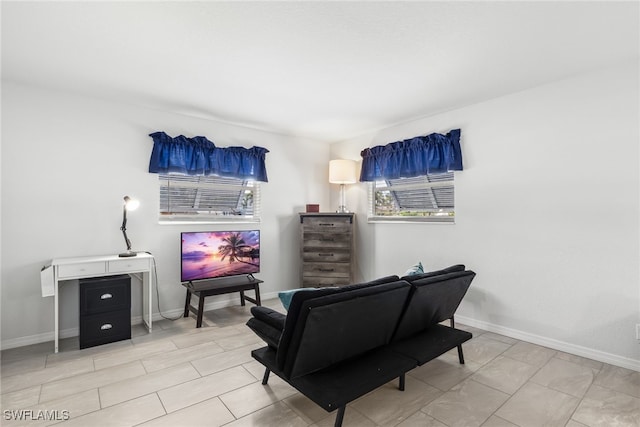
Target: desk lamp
x: 129, y: 205
x: 342, y: 172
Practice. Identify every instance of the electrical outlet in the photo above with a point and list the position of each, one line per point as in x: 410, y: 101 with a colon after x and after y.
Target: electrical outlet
x: 638, y: 331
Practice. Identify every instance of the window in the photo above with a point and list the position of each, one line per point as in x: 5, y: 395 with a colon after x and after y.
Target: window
x: 426, y: 198
x: 208, y: 199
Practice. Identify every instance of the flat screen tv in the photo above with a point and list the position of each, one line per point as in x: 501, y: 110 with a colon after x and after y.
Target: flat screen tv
x: 214, y: 254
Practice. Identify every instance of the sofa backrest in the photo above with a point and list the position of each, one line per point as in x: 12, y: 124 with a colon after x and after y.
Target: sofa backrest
x: 293, y: 311
x: 334, y: 327
x: 432, y: 300
x: 413, y: 277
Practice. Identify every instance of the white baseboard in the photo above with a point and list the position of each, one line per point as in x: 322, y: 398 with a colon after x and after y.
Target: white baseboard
x: 74, y: 332
x: 29, y: 340
x: 589, y: 353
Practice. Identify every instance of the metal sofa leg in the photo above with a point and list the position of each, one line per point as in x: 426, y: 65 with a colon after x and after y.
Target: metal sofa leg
x: 460, y: 355
x: 265, y: 378
x: 401, y: 384
x: 340, y: 416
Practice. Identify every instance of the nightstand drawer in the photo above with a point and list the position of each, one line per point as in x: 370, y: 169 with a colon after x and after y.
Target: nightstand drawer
x: 103, y: 328
x: 84, y: 269
x: 104, y: 294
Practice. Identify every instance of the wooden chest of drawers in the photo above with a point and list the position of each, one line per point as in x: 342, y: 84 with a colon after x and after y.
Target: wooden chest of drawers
x: 105, y: 310
x: 326, y: 249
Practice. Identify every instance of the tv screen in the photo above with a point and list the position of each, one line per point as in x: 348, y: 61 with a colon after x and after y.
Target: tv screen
x: 212, y: 254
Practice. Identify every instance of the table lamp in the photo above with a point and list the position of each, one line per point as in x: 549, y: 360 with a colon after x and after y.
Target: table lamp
x: 129, y: 205
x: 342, y: 172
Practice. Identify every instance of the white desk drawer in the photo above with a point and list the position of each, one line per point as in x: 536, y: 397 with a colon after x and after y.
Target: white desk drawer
x: 126, y: 264
x: 79, y: 270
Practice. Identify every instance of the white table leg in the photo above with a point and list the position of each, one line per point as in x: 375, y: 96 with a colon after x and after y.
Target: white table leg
x: 56, y: 320
x: 147, y: 299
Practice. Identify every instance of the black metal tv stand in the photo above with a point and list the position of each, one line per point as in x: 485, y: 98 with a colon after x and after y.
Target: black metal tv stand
x: 226, y: 285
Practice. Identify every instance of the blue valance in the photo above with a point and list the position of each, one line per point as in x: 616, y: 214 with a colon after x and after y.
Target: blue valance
x: 422, y: 155
x: 199, y: 156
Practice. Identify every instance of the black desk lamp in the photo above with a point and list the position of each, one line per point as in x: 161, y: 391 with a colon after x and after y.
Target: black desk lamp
x: 129, y: 205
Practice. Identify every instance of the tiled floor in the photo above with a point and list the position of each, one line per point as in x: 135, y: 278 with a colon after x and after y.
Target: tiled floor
x: 183, y: 376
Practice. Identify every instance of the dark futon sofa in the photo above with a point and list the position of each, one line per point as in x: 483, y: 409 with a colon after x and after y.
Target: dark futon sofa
x: 337, y: 344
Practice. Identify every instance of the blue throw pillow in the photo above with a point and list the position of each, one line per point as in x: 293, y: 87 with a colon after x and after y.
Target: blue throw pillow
x: 287, y: 296
x: 414, y: 269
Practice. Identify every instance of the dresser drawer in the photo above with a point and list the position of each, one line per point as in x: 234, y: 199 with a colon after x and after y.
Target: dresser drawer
x: 326, y: 255
x: 125, y: 265
x: 85, y: 269
x: 104, y: 294
x: 321, y: 282
x: 98, y: 329
x: 326, y: 224
x: 327, y: 240
x: 326, y: 269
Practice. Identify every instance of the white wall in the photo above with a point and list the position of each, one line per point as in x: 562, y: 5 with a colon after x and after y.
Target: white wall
x: 67, y: 162
x: 546, y: 214
x: 565, y: 275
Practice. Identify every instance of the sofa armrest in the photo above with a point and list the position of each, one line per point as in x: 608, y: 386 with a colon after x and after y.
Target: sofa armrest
x: 269, y: 316
x: 267, y: 324
x: 266, y: 332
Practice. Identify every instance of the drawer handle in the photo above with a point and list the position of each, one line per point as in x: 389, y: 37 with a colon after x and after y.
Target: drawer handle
x: 106, y: 327
x: 326, y: 270
x: 327, y: 224
x: 106, y: 296
x: 325, y: 254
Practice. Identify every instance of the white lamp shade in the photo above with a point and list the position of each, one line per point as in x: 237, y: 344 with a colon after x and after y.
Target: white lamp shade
x: 342, y: 172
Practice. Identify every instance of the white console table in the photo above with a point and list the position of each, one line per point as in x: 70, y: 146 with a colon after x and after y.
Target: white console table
x: 63, y: 269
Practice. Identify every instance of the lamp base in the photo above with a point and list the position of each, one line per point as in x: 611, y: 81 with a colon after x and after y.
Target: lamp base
x: 343, y: 205
x: 127, y: 254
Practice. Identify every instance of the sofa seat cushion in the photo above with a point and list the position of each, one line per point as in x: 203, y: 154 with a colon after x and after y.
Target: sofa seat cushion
x: 430, y: 343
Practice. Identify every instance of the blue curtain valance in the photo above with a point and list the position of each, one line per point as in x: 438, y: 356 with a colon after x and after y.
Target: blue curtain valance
x: 199, y: 156
x: 434, y: 153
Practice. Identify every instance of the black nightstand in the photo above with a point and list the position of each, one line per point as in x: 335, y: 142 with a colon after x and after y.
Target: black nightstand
x: 105, y: 310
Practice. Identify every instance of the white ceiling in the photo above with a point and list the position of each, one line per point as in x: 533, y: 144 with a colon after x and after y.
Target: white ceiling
x: 326, y: 70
